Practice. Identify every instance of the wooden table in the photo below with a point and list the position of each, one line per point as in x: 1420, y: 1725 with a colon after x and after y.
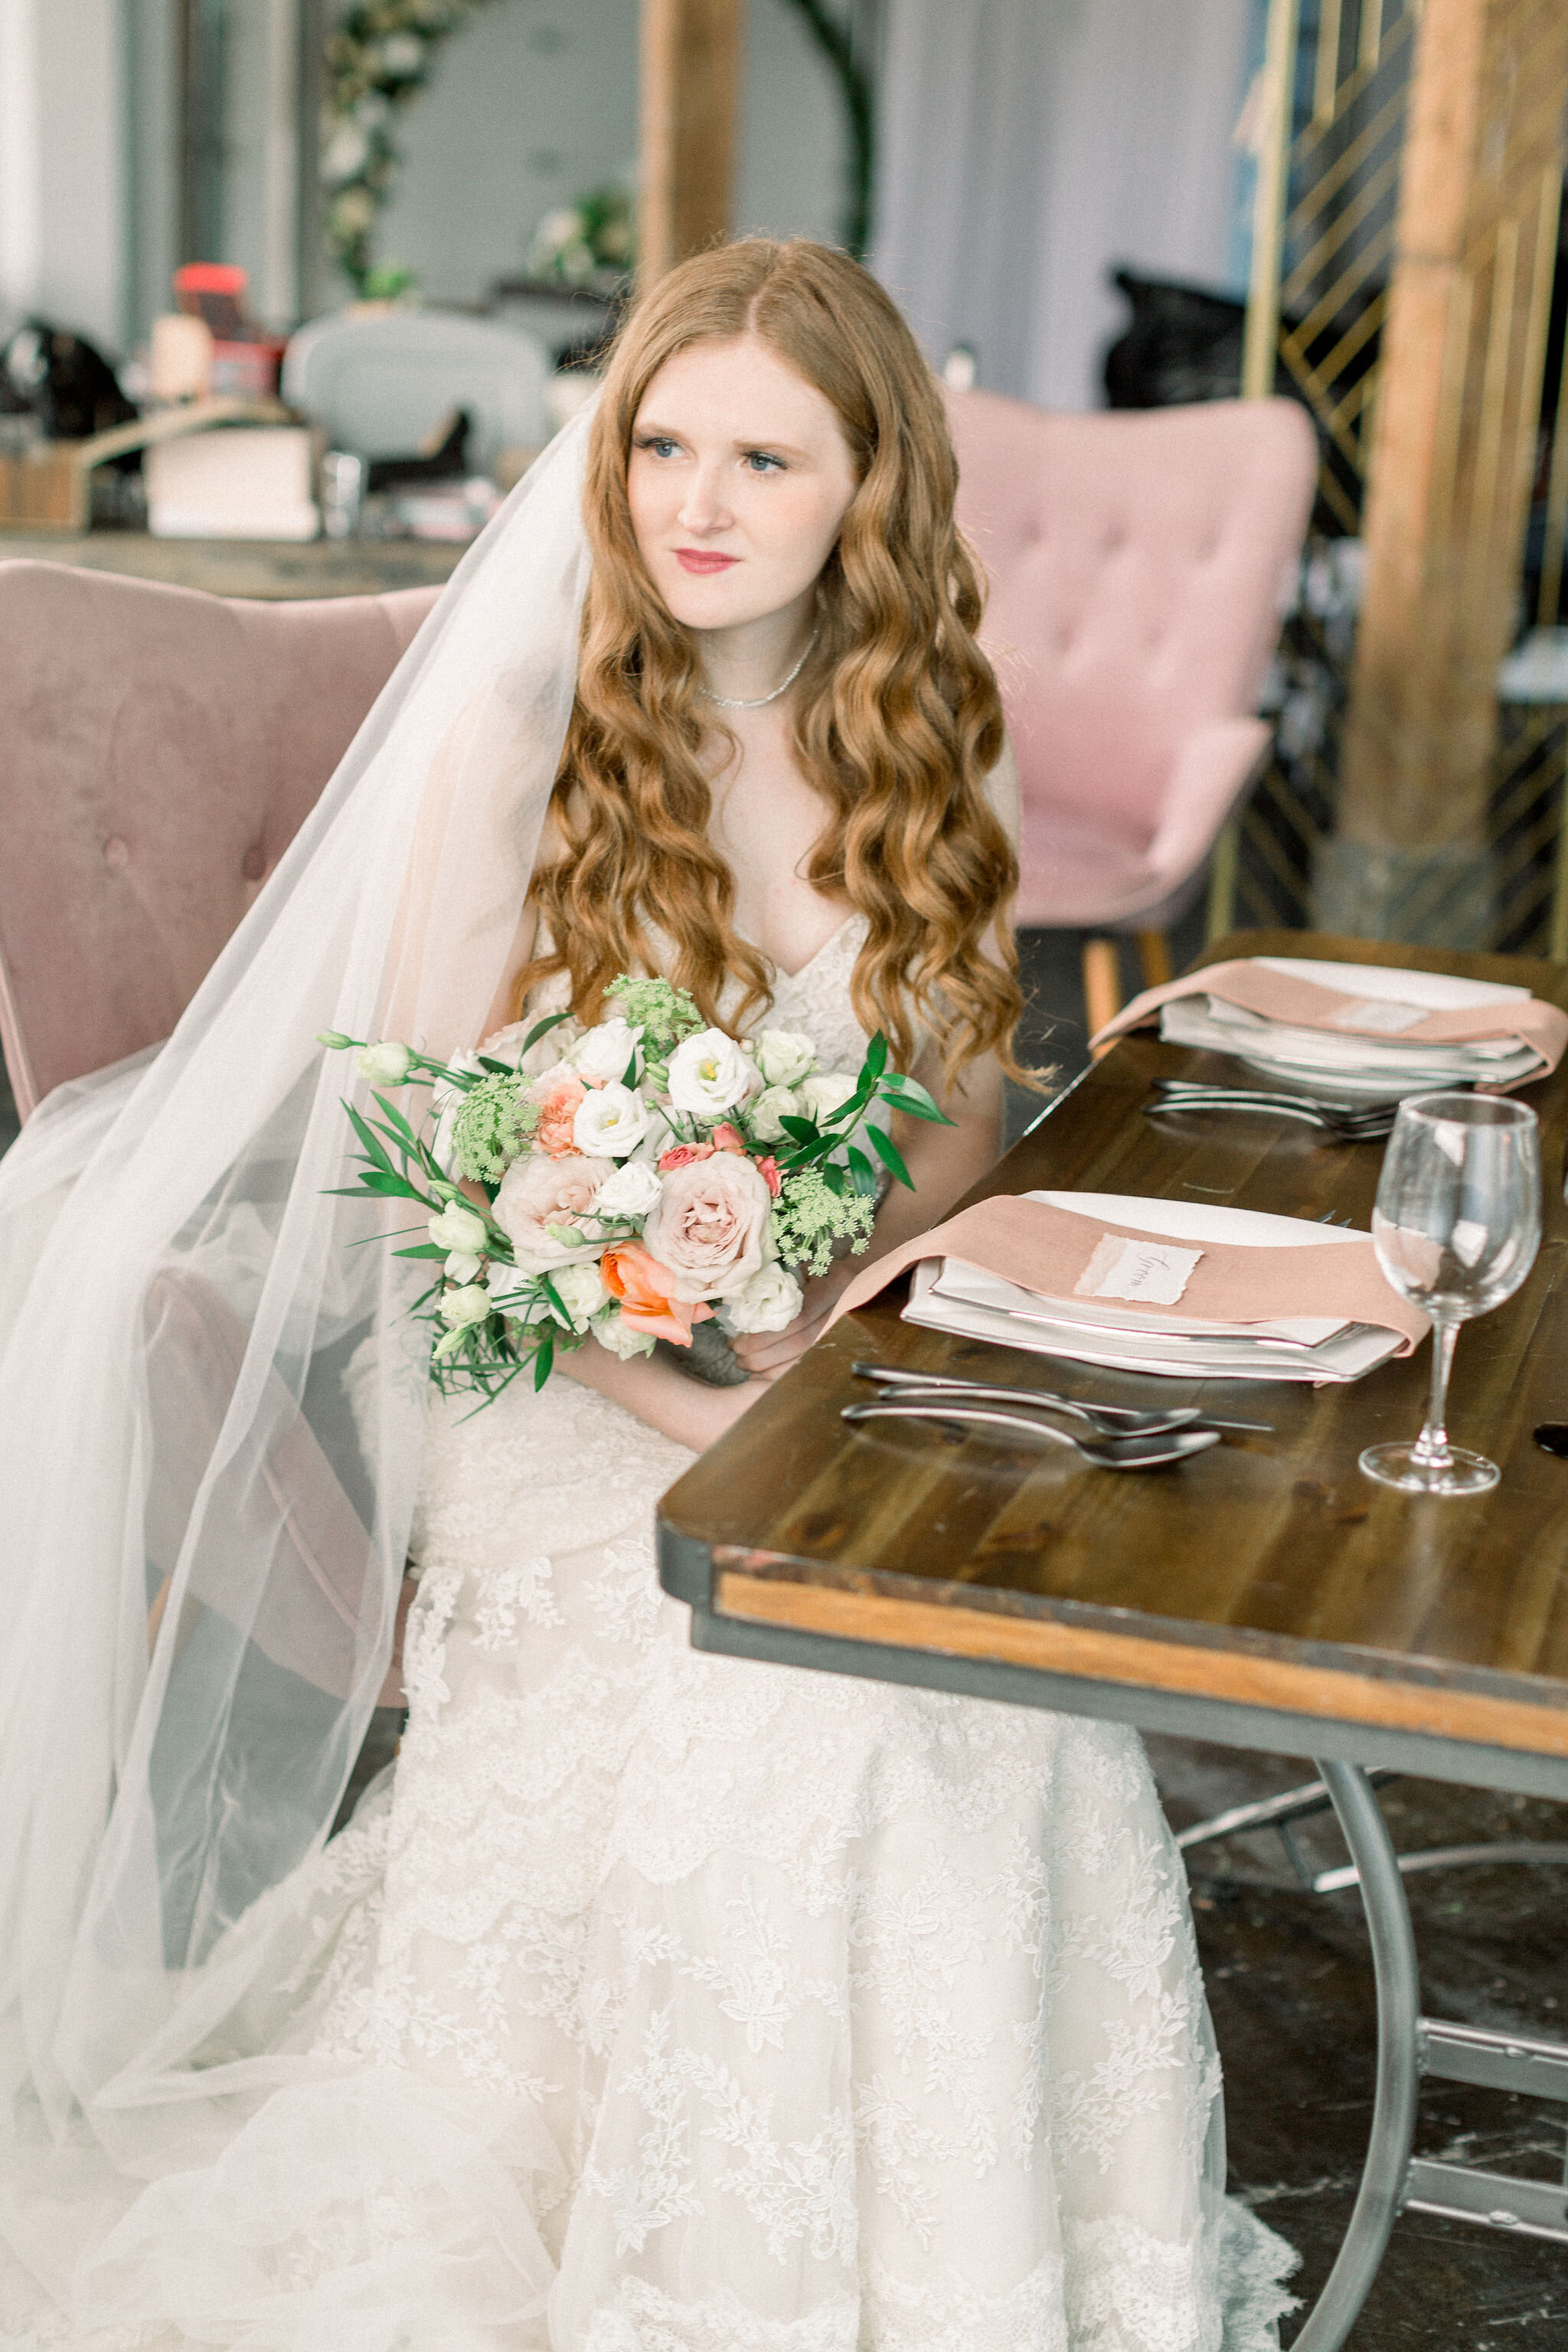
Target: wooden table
x: 1265, y: 1593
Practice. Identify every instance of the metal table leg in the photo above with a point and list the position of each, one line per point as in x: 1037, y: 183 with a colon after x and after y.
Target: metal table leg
x: 1393, y: 2131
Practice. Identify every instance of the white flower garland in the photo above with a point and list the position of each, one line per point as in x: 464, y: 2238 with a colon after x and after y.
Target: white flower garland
x: 377, y: 60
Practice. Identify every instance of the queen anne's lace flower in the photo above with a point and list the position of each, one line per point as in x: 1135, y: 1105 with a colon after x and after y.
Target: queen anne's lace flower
x: 493, y: 1126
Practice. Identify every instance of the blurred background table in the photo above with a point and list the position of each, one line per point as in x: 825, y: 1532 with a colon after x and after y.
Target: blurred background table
x: 271, y: 569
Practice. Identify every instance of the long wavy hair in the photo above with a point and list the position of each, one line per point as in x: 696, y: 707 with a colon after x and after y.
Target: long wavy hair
x: 896, y: 717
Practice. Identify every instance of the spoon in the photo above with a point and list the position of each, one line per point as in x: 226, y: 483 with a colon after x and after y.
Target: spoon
x: 1106, y: 1419
x: 1146, y: 1451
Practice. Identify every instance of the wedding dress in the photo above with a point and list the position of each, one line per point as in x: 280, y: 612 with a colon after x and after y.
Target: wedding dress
x: 661, y: 2002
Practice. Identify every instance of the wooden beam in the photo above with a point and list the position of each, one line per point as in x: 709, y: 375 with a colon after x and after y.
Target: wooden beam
x: 691, y: 90
x: 1454, y: 449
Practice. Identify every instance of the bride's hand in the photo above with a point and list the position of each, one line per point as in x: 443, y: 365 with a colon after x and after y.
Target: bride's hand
x: 766, y: 1354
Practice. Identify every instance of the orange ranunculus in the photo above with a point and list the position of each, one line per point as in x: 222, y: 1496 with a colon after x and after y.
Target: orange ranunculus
x: 728, y: 1139
x: 646, y: 1289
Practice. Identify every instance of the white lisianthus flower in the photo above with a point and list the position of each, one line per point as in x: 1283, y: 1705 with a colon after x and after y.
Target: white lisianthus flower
x: 458, y: 1227
x: 822, y: 1095
x: 606, y: 1052
x: 610, y: 1122
x: 769, y: 1302
x: 771, y: 1107
x: 784, y: 1057
x: 386, y: 1064
x: 446, y: 1101
x: 632, y: 1192
x: 613, y: 1331
x: 471, y: 1304
x: 709, y: 1074
x: 582, y: 1293
x: 461, y: 1267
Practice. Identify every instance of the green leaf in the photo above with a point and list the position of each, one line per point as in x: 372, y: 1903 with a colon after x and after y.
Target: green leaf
x: 833, y: 1177
x: 861, y: 1170
x: 375, y: 1151
x: 496, y: 1069
x: 629, y: 1075
x: 398, y: 1124
x: 803, y: 1130
x: 541, y: 1029
x: 909, y: 1096
x: 425, y: 1249
x: 557, y: 1304
x: 889, y: 1154
x: 543, y: 1359
x: 876, y: 1060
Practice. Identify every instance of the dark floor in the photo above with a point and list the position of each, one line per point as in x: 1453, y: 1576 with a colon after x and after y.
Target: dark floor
x: 1289, y: 1978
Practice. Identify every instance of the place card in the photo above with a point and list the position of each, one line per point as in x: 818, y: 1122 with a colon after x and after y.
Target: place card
x: 1150, y: 1273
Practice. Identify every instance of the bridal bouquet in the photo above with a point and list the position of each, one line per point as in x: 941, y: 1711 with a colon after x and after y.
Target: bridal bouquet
x: 623, y: 1183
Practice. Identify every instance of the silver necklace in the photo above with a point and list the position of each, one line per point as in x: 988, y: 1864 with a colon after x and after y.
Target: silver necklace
x: 734, y: 702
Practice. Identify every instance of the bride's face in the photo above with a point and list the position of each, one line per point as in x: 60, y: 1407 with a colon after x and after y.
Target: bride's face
x: 739, y: 480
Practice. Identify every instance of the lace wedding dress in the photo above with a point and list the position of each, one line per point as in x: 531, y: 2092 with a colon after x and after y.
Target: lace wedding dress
x: 658, y: 2002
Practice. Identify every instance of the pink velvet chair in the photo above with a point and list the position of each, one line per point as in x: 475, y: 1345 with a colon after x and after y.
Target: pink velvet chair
x: 1136, y: 562
x: 159, y: 749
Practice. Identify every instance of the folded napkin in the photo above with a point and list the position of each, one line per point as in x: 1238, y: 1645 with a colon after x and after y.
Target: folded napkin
x: 1103, y: 1259
x: 1391, y: 1009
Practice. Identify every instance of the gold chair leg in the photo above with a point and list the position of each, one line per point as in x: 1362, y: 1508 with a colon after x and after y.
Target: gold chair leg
x: 1101, y: 984
x: 1155, y: 955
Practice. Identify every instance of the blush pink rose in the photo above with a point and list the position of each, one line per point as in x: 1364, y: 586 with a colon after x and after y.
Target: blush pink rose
x: 537, y: 1194
x: 708, y: 1226
x: 558, y: 1094
x: 768, y: 1170
x: 684, y: 1155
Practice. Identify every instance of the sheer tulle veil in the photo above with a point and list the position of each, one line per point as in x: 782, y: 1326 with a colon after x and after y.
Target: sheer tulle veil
x: 210, y: 1411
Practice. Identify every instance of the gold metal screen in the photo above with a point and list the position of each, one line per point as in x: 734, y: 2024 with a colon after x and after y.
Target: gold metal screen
x: 1324, y: 252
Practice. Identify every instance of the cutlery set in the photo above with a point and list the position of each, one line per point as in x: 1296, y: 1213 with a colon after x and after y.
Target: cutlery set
x: 1116, y: 1437
x: 1358, y: 1123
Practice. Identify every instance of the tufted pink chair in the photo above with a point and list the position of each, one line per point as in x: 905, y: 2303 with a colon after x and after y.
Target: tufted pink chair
x: 1135, y: 562
x: 159, y: 749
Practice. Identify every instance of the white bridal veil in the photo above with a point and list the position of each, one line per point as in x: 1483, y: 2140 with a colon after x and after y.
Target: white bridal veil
x: 210, y: 1410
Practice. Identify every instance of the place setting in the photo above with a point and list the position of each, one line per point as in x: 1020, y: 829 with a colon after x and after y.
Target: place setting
x: 1338, y: 1046
x: 1197, y: 1291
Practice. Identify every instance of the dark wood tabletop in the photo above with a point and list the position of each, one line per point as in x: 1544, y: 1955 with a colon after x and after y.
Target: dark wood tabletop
x: 1266, y: 1583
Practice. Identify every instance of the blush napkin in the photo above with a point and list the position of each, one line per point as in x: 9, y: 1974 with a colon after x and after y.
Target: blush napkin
x: 1387, y: 1011
x: 1039, y: 1245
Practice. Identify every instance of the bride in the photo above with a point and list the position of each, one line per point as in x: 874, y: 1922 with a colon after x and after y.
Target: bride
x: 651, y: 2002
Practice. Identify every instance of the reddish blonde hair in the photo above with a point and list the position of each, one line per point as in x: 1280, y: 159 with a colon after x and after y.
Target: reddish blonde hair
x: 898, y: 720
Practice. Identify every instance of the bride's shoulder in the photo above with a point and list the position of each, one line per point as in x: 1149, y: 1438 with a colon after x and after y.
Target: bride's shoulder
x: 1004, y: 794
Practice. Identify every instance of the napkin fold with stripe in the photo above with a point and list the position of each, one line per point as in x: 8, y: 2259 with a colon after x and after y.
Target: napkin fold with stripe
x: 1049, y: 1250
x: 1302, y: 1003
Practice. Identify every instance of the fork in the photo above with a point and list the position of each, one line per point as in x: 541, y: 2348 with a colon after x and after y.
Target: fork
x: 1359, y: 1124
x: 1109, y: 1419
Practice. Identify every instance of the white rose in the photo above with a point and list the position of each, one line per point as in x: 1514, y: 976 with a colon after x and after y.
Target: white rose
x: 459, y: 1228
x: 610, y: 1122
x: 386, y: 1064
x: 581, y: 1292
x: 784, y: 1057
x: 470, y: 1305
x: 710, y: 1075
x: 771, y: 1107
x: 606, y: 1052
x: 613, y: 1331
x: 632, y: 1192
x: 822, y: 1095
x: 769, y: 1302
x: 556, y: 1045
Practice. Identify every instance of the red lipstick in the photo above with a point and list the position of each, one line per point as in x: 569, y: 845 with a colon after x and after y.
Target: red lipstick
x: 703, y: 560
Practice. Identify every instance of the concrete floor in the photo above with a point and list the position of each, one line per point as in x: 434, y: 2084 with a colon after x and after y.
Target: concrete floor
x: 1289, y: 1979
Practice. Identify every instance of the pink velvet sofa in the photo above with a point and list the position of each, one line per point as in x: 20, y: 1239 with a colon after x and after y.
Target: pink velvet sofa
x: 159, y: 749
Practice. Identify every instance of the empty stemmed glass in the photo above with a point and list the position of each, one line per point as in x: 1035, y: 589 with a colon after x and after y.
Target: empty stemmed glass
x: 1455, y: 1229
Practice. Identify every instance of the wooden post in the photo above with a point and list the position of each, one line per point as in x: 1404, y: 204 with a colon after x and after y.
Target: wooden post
x: 1454, y: 450
x: 690, y: 88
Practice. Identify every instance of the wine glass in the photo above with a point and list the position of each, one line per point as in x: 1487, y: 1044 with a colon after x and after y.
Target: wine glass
x: 1455, y: 1229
